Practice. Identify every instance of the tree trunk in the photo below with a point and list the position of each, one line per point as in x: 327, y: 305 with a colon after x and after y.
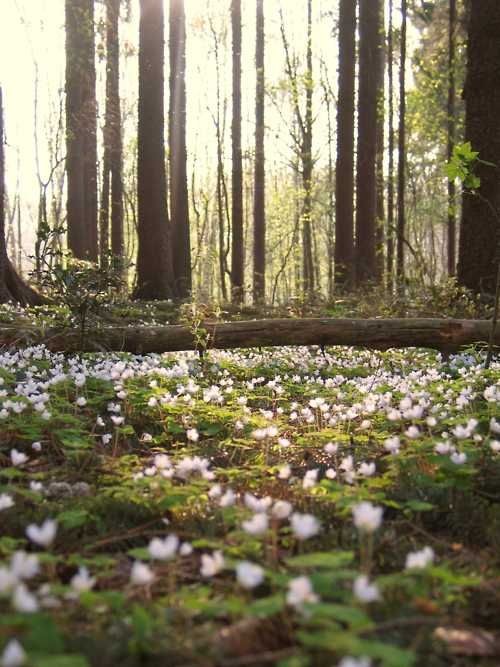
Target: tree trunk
x: 344, y: 179
x: 154, y: 257
x: 113, y: 121
x: 12, y: 288
x: 307, y: 167
x: 379, y: 166
x: 237, y: 253
x: 81, y: 130
x: 366, y: 187
x: 446, y: 335
x: 104, y: 210
x: 451, y: 125
x: 221, y: 200
x: 259, y: 210
x: 179, y: 202
x: 401, y: 222
x: 479, y: 251
x: 390, y: 174
x: 328, y: 98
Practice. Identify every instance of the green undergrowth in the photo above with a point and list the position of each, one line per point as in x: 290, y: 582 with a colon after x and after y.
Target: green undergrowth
x: 279, y: 424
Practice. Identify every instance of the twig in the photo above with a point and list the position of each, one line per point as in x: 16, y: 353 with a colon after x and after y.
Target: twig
x: 494, y: 321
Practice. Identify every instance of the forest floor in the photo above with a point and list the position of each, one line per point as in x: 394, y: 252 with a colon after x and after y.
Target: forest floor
x: 287, y: 507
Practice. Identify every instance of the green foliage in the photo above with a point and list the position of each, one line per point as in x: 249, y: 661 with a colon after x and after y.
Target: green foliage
x: 183, y: 617
x: 462, y: 165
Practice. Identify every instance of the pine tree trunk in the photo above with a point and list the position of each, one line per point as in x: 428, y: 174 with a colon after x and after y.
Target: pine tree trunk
x: 81, y: 129
x: 179, y: 202
x: 401, y: 220
x: 328, y: 98
x: 344, y: 180
x: 114, y: 135
x: 154, y: 257
x: 390, y: 171
x: 451, y: 124
x: 479, y: 251
x: 237, y: 252
x: 366, y: 186
x: 104, y: 210
x: 379, y: 168
x: 259, y: 210
x: 307, y: 168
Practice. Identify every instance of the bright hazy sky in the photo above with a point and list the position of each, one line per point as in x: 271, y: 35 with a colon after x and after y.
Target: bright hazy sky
x: 32, y: 41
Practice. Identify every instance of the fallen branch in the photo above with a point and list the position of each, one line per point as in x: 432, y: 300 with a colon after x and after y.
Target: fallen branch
x: 446, y: 335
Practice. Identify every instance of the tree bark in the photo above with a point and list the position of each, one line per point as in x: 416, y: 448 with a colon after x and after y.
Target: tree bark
x: 113, y: 120
x: 344, y: 179
x: 451, y: 130
x: 307, y: 167
x: 154, y: 257
x: 81, y: 129
x: 480, y: 224
x: 390, y: 171
x: 366, y: 186
x: 441, y: 334
x: 401, y: 213
x: 179, y: 202
x: 259, y: 206
x: 237, y: 251
x: 379, y: 163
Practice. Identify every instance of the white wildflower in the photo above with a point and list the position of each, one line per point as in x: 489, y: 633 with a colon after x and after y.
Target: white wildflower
x: 458, y: 458
x: 42, y: 535
x: 228, y: 498
x: 82, y: 581
x: 23, y: 600
x: 367, y: 517
x: 257, y: 525
x: 141, y: 574
x: 419, y: 559
x: 211, y: 565
x: 281, y: 509
x: 366, y: 469
x: 310, y: 479
x: 163, y: 549
x: 6, y: 501
x: 304, y: 526
x: 364, y: 591
x: 285, y: 472
x: 300, y: 591
x: 13, y: 655
x: 249, y: 575
x: 17, y: 458
x: 192, y: 435
x: 23, y: 565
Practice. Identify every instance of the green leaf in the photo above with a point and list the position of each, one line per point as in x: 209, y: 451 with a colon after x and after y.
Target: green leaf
x: 352, y: 616
x: 43, y: 635
x: 344, y: 642
x: 74, y: 518
x: 267, y: 606
x: 419, y: 506
x: 73, y: 439
x: 142, y: 623
x: 322, y: 559
x: 61, y: 661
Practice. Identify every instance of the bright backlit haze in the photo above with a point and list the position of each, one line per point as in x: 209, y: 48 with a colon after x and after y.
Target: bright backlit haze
x: 32, y: 44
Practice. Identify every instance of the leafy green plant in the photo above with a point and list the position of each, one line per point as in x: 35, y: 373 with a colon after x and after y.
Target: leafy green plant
x: 462, y: 166
x: 83, y: 287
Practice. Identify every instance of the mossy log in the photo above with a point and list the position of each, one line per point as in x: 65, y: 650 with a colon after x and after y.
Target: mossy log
x: 447, y: 335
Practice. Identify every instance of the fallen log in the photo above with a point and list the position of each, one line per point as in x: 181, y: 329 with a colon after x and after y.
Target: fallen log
x: 446, y: 335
